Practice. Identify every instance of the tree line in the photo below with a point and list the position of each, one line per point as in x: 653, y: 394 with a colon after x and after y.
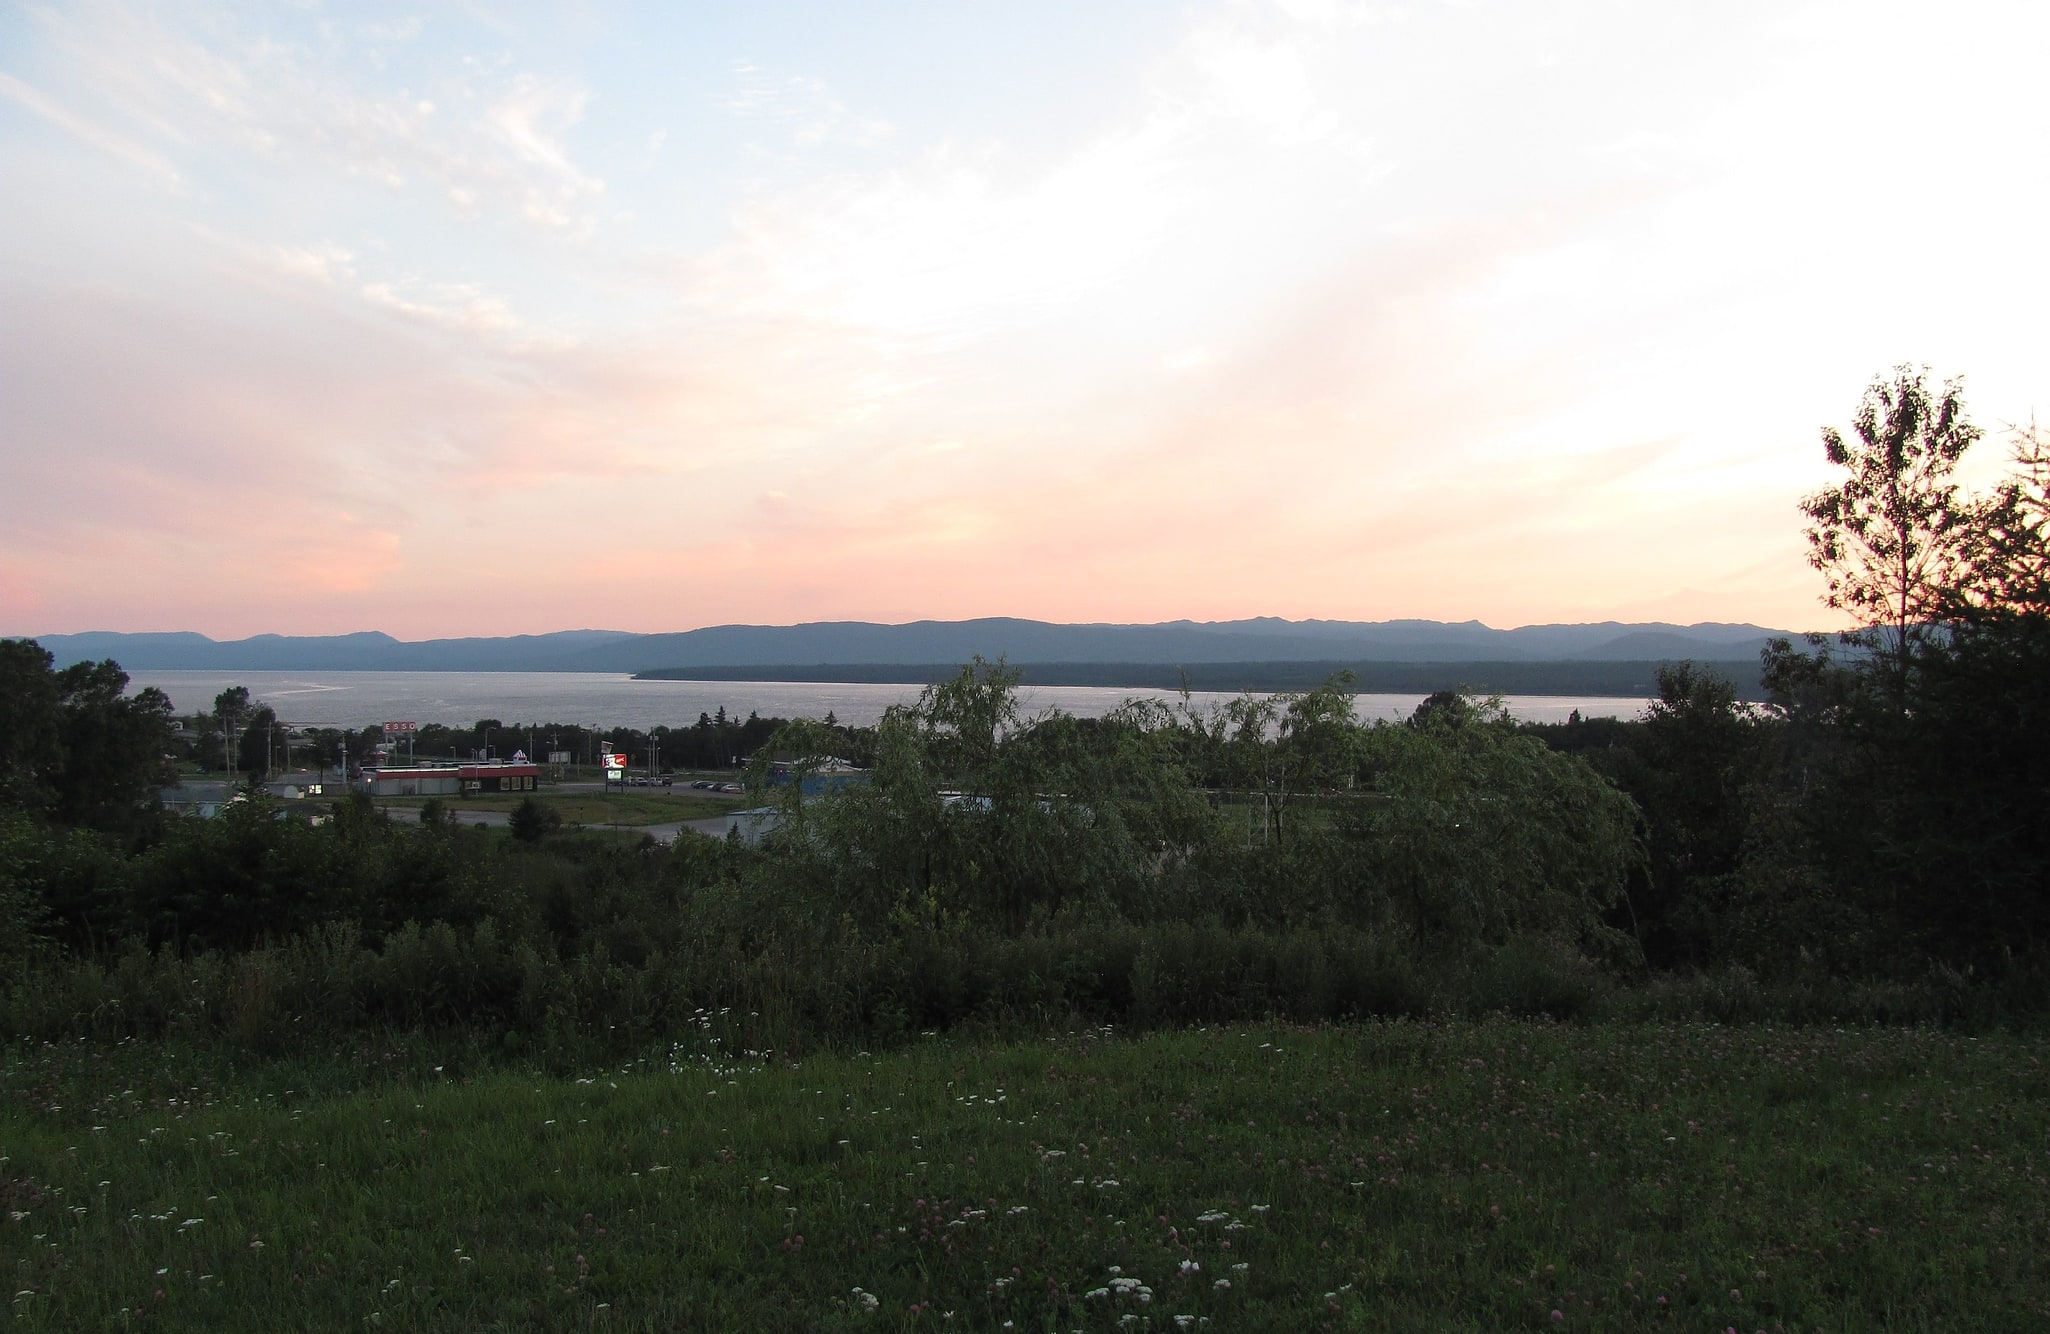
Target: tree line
x: 243, y: 737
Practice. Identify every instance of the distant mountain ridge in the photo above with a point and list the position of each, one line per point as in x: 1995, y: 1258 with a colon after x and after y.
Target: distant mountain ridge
x: 1617, y: 679
x: 863, y: 643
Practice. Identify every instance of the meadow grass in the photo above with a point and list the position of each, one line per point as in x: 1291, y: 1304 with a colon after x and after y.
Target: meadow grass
x: 1394, y: 1175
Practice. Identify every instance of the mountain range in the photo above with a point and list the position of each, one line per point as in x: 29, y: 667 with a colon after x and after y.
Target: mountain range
x: 862, y: 644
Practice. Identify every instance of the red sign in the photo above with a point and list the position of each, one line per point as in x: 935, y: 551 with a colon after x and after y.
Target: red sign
x: 389, y: 728
x: 615, y: 761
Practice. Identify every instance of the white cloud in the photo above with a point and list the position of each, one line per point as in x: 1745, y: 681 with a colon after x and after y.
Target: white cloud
x: 181, y: 89
x: 325, y: 264
x: 395, y: 30
x: 454, y: 305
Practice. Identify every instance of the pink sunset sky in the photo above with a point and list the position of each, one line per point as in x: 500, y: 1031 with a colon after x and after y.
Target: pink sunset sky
x: 486, y: 319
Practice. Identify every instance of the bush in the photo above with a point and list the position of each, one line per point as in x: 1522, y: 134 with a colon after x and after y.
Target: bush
x: 533, y: 820
x: 1532, y: 976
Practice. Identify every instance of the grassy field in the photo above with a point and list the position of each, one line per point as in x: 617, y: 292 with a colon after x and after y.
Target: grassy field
x: 631, y: 807
x: 1491, y: 1176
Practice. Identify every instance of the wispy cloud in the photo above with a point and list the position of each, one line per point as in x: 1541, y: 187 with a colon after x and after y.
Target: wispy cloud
x: 474, y: 134
x: 802, y: 107
x: 87, y: 132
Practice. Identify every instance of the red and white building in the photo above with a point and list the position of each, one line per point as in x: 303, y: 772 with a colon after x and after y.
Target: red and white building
x: 452, y: 780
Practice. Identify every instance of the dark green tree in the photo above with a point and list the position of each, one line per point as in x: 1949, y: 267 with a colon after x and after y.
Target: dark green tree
x: 77, y: 748
x: 1692, y: 770
x: 29, y: 747
x: 258, y: 744
x: 231, y: 711
x: 115, y: 746
x: 1443, y: 708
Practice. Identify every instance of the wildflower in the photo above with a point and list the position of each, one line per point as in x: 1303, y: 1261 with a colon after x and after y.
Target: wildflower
x: 1221, y: 1284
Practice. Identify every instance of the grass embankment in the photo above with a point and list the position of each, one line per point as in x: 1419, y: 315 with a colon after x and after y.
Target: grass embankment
x: 631, y: 807
x: 1392, y: 1175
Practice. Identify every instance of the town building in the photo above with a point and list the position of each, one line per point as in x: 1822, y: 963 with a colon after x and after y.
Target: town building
x: 451, y: 780
x: 816, y: 777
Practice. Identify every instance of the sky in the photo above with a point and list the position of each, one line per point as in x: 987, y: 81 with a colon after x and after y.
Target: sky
x: 484, y: 319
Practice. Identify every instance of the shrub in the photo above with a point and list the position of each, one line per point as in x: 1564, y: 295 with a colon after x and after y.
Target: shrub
x: 533, y: 820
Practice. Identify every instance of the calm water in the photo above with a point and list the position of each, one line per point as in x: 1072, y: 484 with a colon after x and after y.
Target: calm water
x: 360, y: 699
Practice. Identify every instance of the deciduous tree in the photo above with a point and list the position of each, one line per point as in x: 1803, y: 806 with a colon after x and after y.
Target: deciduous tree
x: 1894, y: 538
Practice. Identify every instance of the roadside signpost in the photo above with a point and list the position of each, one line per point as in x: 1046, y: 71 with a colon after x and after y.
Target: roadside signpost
x: 406, y: 730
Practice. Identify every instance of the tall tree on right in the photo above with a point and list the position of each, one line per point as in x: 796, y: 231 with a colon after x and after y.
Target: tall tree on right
x: 1923, y: 767
x: 1981, y: 727
x: 1894, y: 538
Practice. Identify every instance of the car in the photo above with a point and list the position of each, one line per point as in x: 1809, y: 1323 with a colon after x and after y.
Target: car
x: 731, y: 787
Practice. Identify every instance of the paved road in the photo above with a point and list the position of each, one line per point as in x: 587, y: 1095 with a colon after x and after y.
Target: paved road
x: 712, y: 826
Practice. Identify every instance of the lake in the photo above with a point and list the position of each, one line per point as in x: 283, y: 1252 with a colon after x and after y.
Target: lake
x: 601, y: 699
